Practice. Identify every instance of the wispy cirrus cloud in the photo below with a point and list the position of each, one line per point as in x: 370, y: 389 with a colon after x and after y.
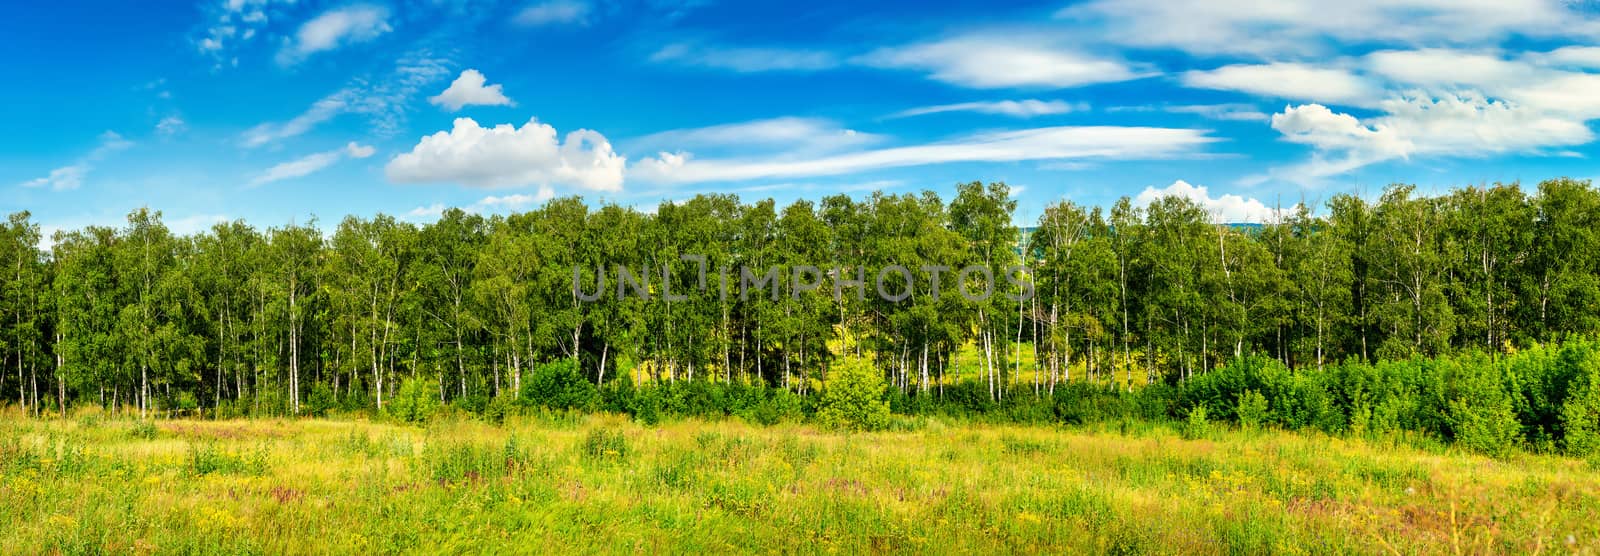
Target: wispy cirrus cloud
x: 1037, y: 144
x: 745, y: 59
x: 996, y: 60
x: 383, y: 100
x: 552, y: 12
x: 312, y: 163
x: 335, y: 28
x: 72, y: 175
x: 1015, y: 108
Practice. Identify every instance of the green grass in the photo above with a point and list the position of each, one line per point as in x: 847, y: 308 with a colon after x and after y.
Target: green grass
x: 603, y: 484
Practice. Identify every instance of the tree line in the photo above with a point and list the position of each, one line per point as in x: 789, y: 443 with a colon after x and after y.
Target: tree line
x: 244, y: 320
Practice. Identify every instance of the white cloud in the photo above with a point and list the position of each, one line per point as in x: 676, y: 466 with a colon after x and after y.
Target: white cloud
x: 384, y: 101
x: 469, y: 89
x: 1576, y: 56
x: 1450, y: 125
x: 554, y: 11
x: 193, y: 224
x: 745, y: 59
x: 320, y: 111
x: 1277, y: 28
x: 170, y: 125
x: 313, y: 163
x: 61, y: 179
x: 1290, y: 81
x: 1015, y: 108
x: 1226, y: 112
x: 508, y: 156
x: 354, y: 150
x: 995, y: 61
x: 1226, y: 209
x: 490, y: 204
x: 789, y: 134
x: 1049, y: 143
x: 515, y: 201
x: 426, y: 212
x: 335, y: 28
x: 299, y: 167
x: 231, y: 23
x: 71, y: 176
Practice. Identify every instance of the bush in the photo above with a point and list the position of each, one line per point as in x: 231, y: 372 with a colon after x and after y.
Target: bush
x: 559, y: 385
x: 498, y: 409
x: 416, y: 402
x: 1252, y: 409
x: 852, y: 398
x: 776, y: 406
x: 320, y: 401
x: 1198, y: 425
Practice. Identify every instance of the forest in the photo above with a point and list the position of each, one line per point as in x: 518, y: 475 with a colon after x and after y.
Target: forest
x: 1189, y: 314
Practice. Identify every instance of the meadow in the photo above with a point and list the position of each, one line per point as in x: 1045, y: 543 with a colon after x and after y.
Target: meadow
x: 603, y: 483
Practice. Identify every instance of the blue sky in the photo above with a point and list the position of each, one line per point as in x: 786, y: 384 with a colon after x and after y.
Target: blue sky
x: 274, y: 110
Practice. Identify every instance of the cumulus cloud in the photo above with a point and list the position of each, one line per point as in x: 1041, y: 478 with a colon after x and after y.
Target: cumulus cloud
x: 1016, y: 108
x: 1048, y: 143
x: 469, y: 89
x: 1225, y: 209
x: 335, y: 28
x: 992, y: 61
x: 1291, y: 81
x: 745, y: 59
x: 509, y: 156
x: 71, y: 176
x: 553, y: 12
x: 310, y: 164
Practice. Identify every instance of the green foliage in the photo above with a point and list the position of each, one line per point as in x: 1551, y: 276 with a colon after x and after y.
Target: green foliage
x: 209, y: 458
x: 498, y: 409
x: 144, y: 430
x: 852, y: 399
x: 416, y: 402
x: 1197, y: 425
x: 320, y: 402
x: 1252, y: 409
x: 559, y: 385
x: 605, y: 445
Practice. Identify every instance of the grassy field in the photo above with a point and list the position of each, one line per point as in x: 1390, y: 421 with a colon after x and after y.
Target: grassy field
x: 603, y: 484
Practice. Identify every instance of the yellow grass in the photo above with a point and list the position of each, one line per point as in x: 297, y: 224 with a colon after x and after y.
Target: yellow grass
x: 565, y: 483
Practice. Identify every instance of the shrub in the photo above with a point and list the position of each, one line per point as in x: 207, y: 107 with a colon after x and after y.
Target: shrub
x: 559, y: 385
x: 320, y: 401
x: 498, y: 409
x: 777, y: 406
x: 416, y: 402
x: 1252, y: 409
x: 852, y: 399
x: 1198, y: 425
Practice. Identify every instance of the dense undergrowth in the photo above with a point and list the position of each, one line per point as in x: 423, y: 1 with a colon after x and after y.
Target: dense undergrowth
x: 1545, y: 400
